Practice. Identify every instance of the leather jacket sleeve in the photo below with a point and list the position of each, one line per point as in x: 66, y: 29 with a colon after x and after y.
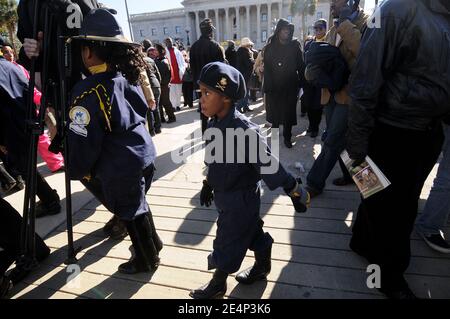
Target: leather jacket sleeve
x: 376, y: 61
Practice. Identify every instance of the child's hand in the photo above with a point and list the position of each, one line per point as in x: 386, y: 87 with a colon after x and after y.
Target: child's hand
x: 206, y: 195
x: 300, y: 197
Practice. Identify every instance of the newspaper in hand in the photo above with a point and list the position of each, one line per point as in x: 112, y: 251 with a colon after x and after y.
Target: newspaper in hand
x: 367, y: 176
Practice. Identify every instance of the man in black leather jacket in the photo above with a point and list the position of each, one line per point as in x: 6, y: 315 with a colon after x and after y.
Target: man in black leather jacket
x: 400, y: 92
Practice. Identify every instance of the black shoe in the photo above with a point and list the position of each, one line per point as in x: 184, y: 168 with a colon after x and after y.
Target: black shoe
x: 247, y: 109
x: 5, y: 286
x: 158, y: 131
x: 163, y: 119
x: 403, y: 294
x: 437, y: 242
x: 145, y: 257
x: 152, y: 133
x: 260, y: 269
x: 173, y: 120
x: 48, y: 209
x: 314, y: 134
x: 312, y: 191
x: 178, y: 108
x: 20, y: 183
x: 134, y: 266
x: 342, y: 181
x: 216, y: 288
x: 288, y: 143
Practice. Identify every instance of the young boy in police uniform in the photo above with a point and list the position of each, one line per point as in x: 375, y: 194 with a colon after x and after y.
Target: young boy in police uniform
x: 235, y: 186
x: 110, y: 150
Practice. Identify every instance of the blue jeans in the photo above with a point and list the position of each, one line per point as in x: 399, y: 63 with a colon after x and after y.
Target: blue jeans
x: 336, y: 117
x: 437, y: 208
x: 241, y: 104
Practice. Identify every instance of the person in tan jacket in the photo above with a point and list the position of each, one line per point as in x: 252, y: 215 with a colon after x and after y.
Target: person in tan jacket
x: 346, y: 35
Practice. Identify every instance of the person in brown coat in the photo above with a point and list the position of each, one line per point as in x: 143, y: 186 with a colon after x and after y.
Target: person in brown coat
x: 346, y: 35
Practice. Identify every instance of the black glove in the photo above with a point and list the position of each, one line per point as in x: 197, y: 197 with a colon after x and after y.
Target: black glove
x: 345, y: 14
x: 206, y: 195
x: 57, y: 145
x: 299, y: 196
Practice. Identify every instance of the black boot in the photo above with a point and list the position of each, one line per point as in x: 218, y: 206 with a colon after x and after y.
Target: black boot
x: 145, y: 257
x: 50, y: 208
x: 156, y: 239
x: 216, y: 288
x: 260, y: 269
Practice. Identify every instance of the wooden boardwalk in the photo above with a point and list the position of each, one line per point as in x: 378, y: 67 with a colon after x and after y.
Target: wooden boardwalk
x: 311, y: 258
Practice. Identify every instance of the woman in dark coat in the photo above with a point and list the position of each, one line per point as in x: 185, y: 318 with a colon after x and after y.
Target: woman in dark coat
x: 283, y: 76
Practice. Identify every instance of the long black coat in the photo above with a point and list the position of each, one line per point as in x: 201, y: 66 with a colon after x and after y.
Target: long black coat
x: 204, y: 51
x: 283, y: 77
x: 245, y: 63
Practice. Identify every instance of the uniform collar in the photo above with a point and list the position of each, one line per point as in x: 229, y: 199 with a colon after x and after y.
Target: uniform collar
x: 224, y: 123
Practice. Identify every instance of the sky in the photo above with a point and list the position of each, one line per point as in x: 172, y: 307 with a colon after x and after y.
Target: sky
x: 140, y: 6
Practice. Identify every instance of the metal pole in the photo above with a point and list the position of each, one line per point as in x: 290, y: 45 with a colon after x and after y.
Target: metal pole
x: 129, y: 22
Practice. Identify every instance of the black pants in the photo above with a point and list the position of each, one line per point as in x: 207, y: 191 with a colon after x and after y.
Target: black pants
x: 10, y: 230
x: 287, y: 131
x: 188, y: 94
x: 153, y: 117
x: 165, y: 104
x: 314, y: 117
x: 385, y: 221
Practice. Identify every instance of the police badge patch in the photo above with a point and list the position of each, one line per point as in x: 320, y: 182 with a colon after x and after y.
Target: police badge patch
x: 80, y: 118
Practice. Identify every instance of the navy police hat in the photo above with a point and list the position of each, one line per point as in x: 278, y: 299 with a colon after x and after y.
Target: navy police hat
x: 101, y: 25
x: 223, y: 79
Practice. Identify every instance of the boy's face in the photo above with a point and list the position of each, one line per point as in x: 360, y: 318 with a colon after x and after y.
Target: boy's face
x: 213, y: 103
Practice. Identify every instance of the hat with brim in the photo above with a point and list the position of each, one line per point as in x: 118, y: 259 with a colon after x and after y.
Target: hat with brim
x: 102, y: 26
x: 245, y: 42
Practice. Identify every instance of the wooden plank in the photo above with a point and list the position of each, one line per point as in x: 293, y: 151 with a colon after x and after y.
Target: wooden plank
x: 30, y: 291
x: 184, y: 279
x: 283, y: 252
x: 303, y: 238
x: 287, y: 273
x: 296, y: 222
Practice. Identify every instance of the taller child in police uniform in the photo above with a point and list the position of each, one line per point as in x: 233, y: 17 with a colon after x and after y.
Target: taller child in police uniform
x: 110, y: 150
x: 234, y: 182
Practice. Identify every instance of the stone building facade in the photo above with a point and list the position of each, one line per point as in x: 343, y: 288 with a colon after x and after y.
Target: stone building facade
x: 234, y: 19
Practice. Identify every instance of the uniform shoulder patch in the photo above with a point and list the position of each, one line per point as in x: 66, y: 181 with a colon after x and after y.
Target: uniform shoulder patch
x: 80, y: 118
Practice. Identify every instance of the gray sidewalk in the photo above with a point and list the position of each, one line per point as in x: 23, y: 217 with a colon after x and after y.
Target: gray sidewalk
x: 311, y: 258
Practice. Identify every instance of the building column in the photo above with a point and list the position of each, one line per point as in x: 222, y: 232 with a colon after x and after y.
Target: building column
x: 247, y: 8
x: 269, y: 19
x: 280, y: 10
x: 197, y: 26
x: 258, y: 24
x: 238, y: 23
x: 227, y: 35
x: 216, y: 11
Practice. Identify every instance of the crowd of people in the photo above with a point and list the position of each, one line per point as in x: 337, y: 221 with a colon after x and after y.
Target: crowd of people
x: 385, y: 93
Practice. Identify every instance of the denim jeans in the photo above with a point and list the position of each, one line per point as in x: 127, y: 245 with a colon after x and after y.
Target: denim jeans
x: 334, y: 144
x: 243, y: 103
x: 437, y: 208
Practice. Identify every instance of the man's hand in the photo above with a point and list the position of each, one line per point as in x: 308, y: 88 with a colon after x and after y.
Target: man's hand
x: 33, y: 47
x: 152, y: 105
x: 206, y: 195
